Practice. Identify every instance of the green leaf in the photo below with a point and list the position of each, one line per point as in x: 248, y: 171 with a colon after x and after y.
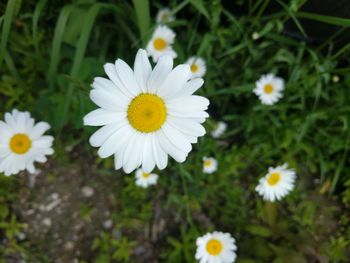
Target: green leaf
x: 143, y: 17
x: 338, y: 21
x: 258, y: 230
x: 9, y: 13
x: 199, y: 5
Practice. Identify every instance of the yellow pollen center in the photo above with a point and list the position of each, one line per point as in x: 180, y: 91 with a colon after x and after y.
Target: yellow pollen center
x: 194, y: 68
x: 273, y: 178
x: 146, y: 175
x: 159, y: 43
x: 268, y: 88
x: 20, y: 143
x: 214, y: 247
x: 207, y: 163
x: 147, y: 112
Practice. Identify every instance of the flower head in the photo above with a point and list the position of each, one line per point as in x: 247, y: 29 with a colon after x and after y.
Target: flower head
x: 161, y: 43
x: 210, y: 165
x: 269, y: 89
x: 146, y: 114
x: 164, y: 16
x: 219, y: 130
x: 198, y: 67
x: 145, y: 179
x: 277, y: 183
x: 22, y: 143
x: 216, y: 247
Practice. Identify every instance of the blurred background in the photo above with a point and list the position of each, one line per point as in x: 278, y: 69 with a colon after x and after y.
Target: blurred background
x: 79, y: 209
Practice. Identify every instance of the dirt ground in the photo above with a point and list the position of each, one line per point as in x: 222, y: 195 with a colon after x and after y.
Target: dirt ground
x: 66, y: 208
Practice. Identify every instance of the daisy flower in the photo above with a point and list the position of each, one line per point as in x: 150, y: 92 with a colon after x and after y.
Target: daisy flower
x: 160, y: 43
x: 145, y: 179
x: 216, y: 247
x: 165, y: 16
x: 210, y: 165
x: 198, y: 67
x: 278, y: 182
x: 22, y: 143
x: 146, y: 114
x: 269, y: 89
x: 219, y: 130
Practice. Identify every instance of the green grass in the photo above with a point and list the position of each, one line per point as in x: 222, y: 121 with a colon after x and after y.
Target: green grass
x: 50, y: 52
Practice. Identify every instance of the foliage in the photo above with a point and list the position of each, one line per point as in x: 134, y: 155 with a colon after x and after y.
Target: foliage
x: 50, y: 52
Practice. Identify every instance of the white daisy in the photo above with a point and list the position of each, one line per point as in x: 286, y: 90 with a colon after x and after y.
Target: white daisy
x: 219, y: 130
x: 269, y: 89
x: 216, y: 247
x: 277, y: 183
x: 198, y: 67
x: 147, y: 114
x: 22, y: 143
x: 165, y: 16
x: 145, y: 179
x: 210, y: 165
x: 160, y: 43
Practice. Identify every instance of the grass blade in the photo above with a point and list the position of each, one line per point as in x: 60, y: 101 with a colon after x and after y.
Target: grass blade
x: 56, y: 42
x: 9, y: 12
x: 325, y: 19
x: 143, y: 16
x: 39, y: 7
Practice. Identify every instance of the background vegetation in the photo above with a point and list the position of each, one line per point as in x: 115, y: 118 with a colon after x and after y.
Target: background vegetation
x: 51, y: 50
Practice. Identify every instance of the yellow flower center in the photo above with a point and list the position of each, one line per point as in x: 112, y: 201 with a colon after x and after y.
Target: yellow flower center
x: 146, y: 175
x: 214, y: 247
x: 207, y: 163
x: 20, y: 143
x: 194, y: 68
x: 268, y: 88
x: 147, y: 112
x: 159, y: 43
x: 273, y: 178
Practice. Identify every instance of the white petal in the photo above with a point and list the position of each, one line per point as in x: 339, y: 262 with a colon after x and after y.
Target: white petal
x: 191, y: 87
x: 188, y: 103
x: 115, y: 142
x: 177, y: 138
x: 142, y: 69
x: 105, y: 100
x: 112, y: 74
x: 148, y: 161
x: 132, y: 154
x: 170, y: 148
x: 38, y: 130
x: 101, y: 117
x: 159, y: 73
x: 101, y: 135
x: 160, y: 156
x: 175, y: 81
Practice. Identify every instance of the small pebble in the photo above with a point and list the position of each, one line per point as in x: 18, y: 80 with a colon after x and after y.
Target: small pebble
x: 68, y: 246
x: 47, y: 222
x: 107, y: 224
x: 87, y: 191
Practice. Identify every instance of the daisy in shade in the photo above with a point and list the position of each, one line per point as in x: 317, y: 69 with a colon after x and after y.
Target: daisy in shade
x: 269, y: 89
x: 22, y: 143
x: 146, y: 114
x: 145, y: 179
x: 210, y: 165
x: 220, y: 129
x: 198, y: 67
x: 278, y: 182
x: 216, y: 247
x: 160, y: 43
x: 165, y: 16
